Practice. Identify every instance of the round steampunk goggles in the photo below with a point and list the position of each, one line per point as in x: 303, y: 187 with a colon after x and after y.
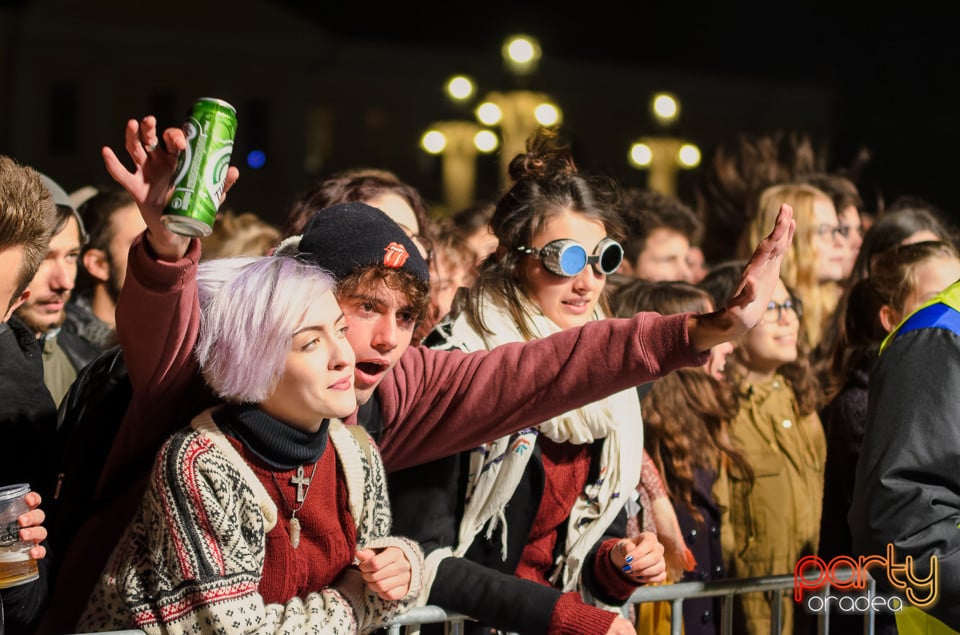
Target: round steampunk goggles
x: 566, y: 257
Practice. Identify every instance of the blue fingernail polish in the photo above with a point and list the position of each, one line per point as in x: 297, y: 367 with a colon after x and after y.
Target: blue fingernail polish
x: 629, y: 559
x: 626, y: 568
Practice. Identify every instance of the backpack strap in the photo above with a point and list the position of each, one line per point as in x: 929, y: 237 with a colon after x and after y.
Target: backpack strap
x: 363, y: 440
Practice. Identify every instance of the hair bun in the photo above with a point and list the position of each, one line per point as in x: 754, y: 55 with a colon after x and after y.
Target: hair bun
x: 545, y: 157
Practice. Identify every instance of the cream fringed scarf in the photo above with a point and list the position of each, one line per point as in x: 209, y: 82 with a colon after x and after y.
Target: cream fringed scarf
x: 496, y: 468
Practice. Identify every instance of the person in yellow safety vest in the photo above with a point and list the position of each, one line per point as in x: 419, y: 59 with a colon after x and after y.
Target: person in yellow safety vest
x: 907, y: 488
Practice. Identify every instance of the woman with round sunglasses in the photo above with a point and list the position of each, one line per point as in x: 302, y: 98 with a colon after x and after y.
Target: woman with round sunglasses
x: 546, y: 504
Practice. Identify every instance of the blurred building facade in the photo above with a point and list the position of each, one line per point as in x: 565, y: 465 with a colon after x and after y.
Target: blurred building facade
x: 72, y: 71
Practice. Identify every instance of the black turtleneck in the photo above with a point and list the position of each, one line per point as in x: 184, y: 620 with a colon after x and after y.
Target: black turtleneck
x: 279, y: 445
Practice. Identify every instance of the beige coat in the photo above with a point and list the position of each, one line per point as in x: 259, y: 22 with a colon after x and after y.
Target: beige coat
x: 767, y: 529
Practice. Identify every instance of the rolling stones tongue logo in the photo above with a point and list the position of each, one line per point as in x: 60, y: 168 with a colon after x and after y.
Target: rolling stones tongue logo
x: 395, y: 255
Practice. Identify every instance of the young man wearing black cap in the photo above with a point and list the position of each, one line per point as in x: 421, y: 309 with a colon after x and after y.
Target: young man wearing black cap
x: 419, y: 404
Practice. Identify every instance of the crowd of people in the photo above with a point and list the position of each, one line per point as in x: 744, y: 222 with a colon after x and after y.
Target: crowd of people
x: 520, y: 412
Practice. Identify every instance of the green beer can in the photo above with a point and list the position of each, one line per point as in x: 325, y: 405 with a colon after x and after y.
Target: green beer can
x: 202, y: 168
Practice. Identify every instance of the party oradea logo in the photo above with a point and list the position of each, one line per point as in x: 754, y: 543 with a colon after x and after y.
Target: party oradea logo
x: 850, y: 576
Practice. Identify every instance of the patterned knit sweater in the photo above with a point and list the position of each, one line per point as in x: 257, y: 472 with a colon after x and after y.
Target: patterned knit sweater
x: 191, y: 560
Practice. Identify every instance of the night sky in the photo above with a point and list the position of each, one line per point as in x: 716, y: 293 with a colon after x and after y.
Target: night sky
x: 896, y: 70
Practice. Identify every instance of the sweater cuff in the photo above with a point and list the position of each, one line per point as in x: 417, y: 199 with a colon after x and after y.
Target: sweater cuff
x: 414, y: 556
x: 572, y: 616
x: 667, y: 342
x: 351, y: 586
x: 615, y: 583
x: 155, y: 274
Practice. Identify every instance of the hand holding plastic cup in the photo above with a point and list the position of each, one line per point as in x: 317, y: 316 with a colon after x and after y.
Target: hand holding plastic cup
x: 16, y: 565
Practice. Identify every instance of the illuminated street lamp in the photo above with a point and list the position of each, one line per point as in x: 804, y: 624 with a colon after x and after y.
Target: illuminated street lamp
x: 460, y: 88
x: 663, y: 156
x: 521, y: 54
x: 665, y: 108
x: 458, y: 143
x: 518, y: 113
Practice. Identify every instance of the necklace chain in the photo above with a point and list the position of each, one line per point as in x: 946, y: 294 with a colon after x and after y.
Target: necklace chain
x: 297, y: 480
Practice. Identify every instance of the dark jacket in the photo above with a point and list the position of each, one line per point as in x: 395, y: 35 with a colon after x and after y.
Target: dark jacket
x: 27, y: 411
x: 907, y: 486
x: 79, y: 351
x: 701, y: 616
x: 28, y: 418
x: 427, y: 503
x: 844, y: 419
x: 82, y: 321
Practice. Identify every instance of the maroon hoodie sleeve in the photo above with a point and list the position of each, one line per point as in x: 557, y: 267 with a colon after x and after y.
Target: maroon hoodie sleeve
x: 158, y: 321
x: 438, y: 403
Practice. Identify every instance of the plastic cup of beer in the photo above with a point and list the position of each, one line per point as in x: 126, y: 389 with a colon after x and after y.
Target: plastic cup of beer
x: 16, y: 565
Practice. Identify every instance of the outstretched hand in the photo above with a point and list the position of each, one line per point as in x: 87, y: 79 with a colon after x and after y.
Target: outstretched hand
x: 762, y: 273
x: 757, y: 284
x: 150, y: 183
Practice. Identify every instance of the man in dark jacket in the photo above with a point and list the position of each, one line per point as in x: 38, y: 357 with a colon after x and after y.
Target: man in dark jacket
x: 27, y: 412
x: 43, y: 312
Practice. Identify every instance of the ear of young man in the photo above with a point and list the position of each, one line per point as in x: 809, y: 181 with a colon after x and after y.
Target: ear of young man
x: 96, y: 263
x: 15, y: 305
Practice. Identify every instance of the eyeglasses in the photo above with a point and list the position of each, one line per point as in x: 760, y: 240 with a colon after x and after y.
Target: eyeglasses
x: 567, y: 258
x: 774, y: 311
x: 832, y: 231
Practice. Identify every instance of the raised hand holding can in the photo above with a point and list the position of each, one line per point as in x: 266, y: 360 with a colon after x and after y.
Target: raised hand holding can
x: 202, y: 169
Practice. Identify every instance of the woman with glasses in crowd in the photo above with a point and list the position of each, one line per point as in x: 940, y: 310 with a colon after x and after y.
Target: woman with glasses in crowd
x: 816, y: 263
x: 773, y: 519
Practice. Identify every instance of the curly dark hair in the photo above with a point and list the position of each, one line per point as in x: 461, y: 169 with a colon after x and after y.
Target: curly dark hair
x: 417, y: 291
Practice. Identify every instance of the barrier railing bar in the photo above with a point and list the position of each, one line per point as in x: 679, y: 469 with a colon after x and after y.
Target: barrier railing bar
x: 776, y: 611
x: 673, y: 593
x: 726, y: 610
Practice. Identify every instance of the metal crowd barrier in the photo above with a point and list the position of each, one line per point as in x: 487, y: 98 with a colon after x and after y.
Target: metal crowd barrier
x: 676, y: 594
x: 673, y: 593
